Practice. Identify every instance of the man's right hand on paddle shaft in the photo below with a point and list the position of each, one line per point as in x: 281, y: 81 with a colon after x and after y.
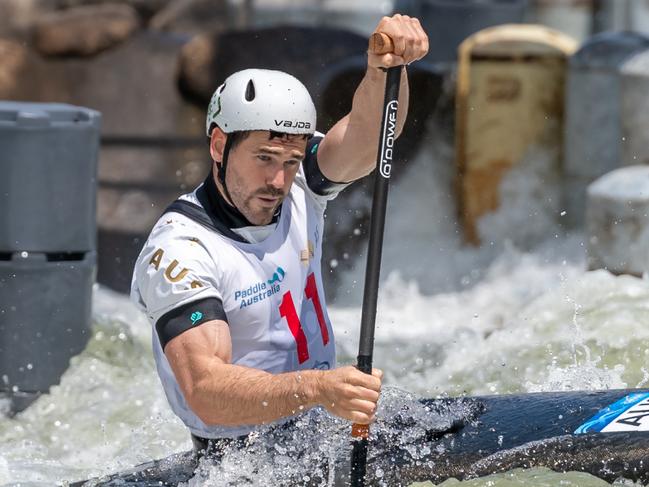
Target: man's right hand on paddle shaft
x: 349, y: 393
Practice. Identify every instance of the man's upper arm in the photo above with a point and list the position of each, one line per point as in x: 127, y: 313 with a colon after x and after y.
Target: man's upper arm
x: 187, y: 316
x: 177, y: 282
x: 193, y: 354
x: 316, y: 180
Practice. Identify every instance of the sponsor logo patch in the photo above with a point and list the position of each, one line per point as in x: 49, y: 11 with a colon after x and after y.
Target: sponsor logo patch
x: 298, y: 124
x: 196, y: 317
x: 260, y: 291
x: 631, y: 413
x: 387, y: 144
x: 277, y: 276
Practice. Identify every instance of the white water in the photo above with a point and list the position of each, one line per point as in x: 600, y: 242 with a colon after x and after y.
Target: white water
x: 519, y: 314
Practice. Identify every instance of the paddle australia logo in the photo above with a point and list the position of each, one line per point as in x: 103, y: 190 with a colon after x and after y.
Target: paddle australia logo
x: 261, y: 290
x: 631, y: 413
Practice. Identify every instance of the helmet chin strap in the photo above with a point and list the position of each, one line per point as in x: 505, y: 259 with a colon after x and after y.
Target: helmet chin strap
x: 222, y: 168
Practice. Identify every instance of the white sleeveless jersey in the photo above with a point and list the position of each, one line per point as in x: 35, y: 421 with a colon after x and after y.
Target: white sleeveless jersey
x: 271, y: 291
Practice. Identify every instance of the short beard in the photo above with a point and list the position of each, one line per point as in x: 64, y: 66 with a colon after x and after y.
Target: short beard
x: 245, y: 205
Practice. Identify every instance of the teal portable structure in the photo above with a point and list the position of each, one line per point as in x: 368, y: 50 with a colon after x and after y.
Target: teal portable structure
x: 47, y: 242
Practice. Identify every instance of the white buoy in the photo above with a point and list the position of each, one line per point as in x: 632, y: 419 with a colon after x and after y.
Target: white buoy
x: 617, y: 221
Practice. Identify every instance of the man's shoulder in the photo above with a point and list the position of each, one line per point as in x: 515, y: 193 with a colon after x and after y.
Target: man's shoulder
x: 179, y: 221
x: 176, y: 233
x: 311, y: 178
x: 173, y: 227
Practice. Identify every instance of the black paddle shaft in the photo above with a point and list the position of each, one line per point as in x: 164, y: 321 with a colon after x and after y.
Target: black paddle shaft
x: 377, y: 220
x: 385, y: 157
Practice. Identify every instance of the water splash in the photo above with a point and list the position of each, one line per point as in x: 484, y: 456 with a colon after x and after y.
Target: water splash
x: 315, y: 450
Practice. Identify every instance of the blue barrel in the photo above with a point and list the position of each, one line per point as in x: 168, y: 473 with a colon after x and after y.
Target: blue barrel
x: 47, y: 242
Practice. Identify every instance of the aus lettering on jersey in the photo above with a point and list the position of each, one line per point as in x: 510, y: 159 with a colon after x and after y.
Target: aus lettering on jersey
x: 173, y: 272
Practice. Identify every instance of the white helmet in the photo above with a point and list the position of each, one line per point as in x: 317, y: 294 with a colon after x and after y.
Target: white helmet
x: 261, y: 99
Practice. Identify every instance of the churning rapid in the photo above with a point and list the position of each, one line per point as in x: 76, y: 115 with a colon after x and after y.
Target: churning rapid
x: 520, y: 314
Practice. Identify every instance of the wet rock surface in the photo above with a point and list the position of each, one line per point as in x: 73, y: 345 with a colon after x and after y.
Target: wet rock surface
x: 85, y: 30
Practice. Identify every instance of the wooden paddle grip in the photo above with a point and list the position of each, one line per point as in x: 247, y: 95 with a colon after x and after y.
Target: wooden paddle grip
x: 360, y: 430
x: 380, y: 43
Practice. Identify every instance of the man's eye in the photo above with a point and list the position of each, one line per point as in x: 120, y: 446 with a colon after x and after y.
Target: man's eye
x: 263, y: 157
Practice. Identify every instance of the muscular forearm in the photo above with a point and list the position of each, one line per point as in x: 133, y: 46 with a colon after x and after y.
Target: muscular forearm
x: 350, y: 147
x: 234, y: 395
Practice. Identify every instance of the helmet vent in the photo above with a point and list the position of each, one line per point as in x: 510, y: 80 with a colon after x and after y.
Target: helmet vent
x: 250, y: 91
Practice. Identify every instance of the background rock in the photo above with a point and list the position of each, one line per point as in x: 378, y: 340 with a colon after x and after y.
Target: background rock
x: 145, y: 8
x: 195, y: 16
x: 14, y: 59
x: 17, y: 17
x: 84, y: 30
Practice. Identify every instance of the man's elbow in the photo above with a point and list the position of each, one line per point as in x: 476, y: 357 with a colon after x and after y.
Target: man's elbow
x: 207, y: 411
x: 203, y: 413
x: 195, y: 399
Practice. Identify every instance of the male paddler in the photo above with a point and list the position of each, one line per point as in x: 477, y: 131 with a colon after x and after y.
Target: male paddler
x: 230, y: 276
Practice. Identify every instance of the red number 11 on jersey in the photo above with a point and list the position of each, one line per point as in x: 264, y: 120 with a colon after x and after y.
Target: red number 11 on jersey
x: 287, y: 310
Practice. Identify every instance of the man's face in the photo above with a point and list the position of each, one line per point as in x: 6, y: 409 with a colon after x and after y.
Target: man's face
x: 260, y: 172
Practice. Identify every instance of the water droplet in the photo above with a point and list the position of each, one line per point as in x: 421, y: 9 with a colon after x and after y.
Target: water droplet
x: 24, y: 254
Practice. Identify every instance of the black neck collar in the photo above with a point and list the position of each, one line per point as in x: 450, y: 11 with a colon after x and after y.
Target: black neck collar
x: 224, y: 211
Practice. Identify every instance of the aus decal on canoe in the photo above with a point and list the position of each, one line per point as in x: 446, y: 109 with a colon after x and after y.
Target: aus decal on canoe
x: 631, y: 413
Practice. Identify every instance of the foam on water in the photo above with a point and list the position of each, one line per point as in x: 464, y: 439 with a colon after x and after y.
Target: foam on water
x: 518, y: 314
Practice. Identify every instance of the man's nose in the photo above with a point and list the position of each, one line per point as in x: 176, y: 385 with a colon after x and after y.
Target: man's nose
x: 277, y: 179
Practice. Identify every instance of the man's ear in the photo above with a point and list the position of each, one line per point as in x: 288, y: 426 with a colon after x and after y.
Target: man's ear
x: 217, y: 144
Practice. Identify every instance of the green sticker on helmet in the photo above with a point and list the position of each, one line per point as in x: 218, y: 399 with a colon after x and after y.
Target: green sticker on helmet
x: 218, y: 106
